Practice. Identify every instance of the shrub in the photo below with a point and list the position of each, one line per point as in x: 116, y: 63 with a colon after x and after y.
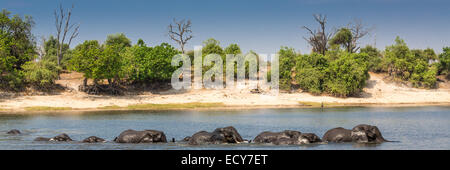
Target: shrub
x: 16, y: 48
x: 310, y: 72
x: 374, y: 58
x: 287, y: 62
x: 41, y: 74
x: 347, y: 75
x: 410, y: 65
x: 444, y: 61
x: 149, y: 64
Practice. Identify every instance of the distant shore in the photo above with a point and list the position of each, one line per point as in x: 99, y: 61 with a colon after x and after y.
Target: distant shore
x: 377, y: 93
x: 163, y: 107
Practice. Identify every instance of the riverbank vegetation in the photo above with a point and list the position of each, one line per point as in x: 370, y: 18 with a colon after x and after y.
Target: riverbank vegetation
x: 336, y: 66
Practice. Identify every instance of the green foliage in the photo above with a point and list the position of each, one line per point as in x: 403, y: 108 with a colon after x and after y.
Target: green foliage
x: 347, y: 75
x: 212, y: 46
x: 233, y: 49
x: 344, y: 38
x: 119, y: 40
x: 41, y: 74
x: 410, y: 65
x: 310, y: 72
x: 85, y: 59
x: 444, y: 61
x: 16, y: 48
x: 51, y: 49
x: 374, y: 58
x: 150, y: 64
x: 286, y: 64
x: 109, y: 64
x: 342, y: 75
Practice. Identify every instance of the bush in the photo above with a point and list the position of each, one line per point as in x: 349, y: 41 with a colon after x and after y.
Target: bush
x: 410, y: 65
x: 16, y: 48
x: 347, y: 75
x: 41, y: 74
x: 444, y: 61
x: 150, y: 64
x: 310, y: 72
x: 85, y: 59
x: 374, y: 58
x: 287, y: 62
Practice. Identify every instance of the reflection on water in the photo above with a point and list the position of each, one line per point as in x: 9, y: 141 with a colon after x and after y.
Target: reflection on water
x: 412, y: 127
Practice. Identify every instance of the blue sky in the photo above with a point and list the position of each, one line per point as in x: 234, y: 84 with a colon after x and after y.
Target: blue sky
x: 260, y: 25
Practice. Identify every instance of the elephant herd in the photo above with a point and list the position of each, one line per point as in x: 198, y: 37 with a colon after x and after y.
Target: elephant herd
x: 359, y: 134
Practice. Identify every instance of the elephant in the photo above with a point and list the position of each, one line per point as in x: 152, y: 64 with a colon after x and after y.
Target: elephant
x: 93, y: 139
x: 186, y: 139
x: 360, y: 134
x: 14, y: 132
x: 272, y: 137
x: 218, y: 136
x: 287, y: 137
x: 367, y: 134
x: 338, y: 135
x: 60, y: 138
x: 146, y: 136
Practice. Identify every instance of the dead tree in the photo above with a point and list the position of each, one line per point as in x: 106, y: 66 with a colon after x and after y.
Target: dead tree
x: 319, y: 38
x: 64, y: 29
x: 358, y: 31
x: 180, y: 32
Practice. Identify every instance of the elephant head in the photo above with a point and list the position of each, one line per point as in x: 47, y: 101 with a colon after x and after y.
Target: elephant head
x: 93, y: 139
x: 227, y: 135
x: 367, y: 134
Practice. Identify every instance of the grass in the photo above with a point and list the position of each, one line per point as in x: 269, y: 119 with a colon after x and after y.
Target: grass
x: 319, y: 104
x: 110, y: 107
x: 46, y: 108
x: 174, y: 106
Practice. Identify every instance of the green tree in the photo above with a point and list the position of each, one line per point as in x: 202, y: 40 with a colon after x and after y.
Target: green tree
x: 50, y: 52
x: 149, y: 64
x: 444, y: 61
x: 310, y: 72
x: 343, y: 38
x: 374, y: 58
x: 119, y: 40
x: 16, y: 48
x: 85, y: 60
x: 42, y: 74
x: 410, y: 65
x: 287, y: 62
x: 347, y: 75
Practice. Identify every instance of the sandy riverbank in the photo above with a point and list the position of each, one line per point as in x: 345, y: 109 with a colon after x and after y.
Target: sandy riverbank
x: 377, y: 93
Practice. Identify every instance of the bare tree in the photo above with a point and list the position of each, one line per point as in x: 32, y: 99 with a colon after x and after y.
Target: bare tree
x: 359, y: 30
x: 180, y: 32
x: 319, y: 38
x: 64, y: 29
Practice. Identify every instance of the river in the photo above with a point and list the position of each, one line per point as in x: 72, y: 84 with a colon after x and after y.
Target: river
x: 412, y: 127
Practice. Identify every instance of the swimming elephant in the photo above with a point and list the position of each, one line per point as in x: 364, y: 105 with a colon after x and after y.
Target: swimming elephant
x: 272, y: 137
x: 361, y: 134
x: 93, y: 139
x: 146, y: 136
x: 13, y: 132
x: 186, y: 139
x: 287, y: 137
x: 338, y: 135
x: 367, y: 134
x: 60, y: 138
x: 220, y: 135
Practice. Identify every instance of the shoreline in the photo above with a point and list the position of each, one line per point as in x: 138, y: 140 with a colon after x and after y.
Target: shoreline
x: 377, y: 93
x: 24, y: 111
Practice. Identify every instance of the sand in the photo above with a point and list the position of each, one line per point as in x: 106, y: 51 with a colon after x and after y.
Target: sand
x: 377, y: 92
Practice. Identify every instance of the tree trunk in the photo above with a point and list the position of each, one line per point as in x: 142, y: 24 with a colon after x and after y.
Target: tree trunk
x: 85, y: 82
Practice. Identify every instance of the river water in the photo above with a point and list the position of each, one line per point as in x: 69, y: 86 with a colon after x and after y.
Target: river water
x: 412, y: 127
